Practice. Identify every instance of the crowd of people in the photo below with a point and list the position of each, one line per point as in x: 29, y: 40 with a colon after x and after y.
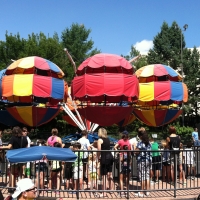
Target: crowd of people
x: 95, y: 162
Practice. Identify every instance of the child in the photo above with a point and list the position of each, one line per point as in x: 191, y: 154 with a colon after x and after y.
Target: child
x: 68, y: 174
x: 56, y: 169
x: 40, y: 169
x: 93, y: 166
x: 181, y: 166
x: 77, y: 167
x: 125, y: 168
x: 166, y: 166
x: 189, y: 160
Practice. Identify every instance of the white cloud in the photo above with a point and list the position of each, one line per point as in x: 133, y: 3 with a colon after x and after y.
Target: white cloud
x: 144, y: 46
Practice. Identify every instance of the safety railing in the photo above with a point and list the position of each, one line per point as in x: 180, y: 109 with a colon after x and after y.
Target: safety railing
x: 128, y: 175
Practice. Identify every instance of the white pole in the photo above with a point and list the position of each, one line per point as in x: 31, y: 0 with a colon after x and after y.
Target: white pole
x: 75, y: 107
x: 69, y: 112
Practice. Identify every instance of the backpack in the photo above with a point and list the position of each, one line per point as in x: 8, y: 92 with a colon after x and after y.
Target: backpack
x: 55, y: 165
x: 175, y: 145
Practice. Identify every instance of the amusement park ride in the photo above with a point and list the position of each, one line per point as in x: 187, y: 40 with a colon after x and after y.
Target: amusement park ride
x: 104, y: 91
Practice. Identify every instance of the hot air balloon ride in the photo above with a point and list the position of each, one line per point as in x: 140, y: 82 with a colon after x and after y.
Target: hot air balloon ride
x: 161, y: 94
x: 101, y: 84
x: 73, y: 117
x: 36, y: 83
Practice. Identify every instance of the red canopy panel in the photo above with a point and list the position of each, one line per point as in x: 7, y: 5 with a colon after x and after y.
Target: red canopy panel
x: 105, y: 87
x: 108, y: 63
x: 105, y: 115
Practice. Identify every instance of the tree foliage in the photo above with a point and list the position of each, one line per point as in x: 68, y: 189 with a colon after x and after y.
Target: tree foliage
x: 75, y: 39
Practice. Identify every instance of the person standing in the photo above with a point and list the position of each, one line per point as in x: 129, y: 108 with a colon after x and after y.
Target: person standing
x: 174, y: 144
x: 40, y: 169
x: 26, y: 167
x: 156, y: 161
x: 195, y: 136
x: 136, y: 139
x: 123, y: 141
x: 17, y: 141
x: 189, y: 161
x: 144, y: 158
x: 85, y: 146
x: 106, y: 161
x: 50, y: 142
x: 56, y: 168
x: 54, y: 138
x: 77, y: 168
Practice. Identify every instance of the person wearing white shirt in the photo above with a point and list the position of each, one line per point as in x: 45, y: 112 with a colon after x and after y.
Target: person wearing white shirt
x: 26, y: 168
x: 85, y: 146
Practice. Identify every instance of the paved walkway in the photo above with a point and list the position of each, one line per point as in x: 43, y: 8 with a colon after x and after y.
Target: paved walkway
x: 187, y: 194
x: 166, y: 192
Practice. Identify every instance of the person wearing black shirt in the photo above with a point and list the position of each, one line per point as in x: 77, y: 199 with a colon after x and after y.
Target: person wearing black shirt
x: 174, y: 143
x: 106, y: 160
x: 17, y: 141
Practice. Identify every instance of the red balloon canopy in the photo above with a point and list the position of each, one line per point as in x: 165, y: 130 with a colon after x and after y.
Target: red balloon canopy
x: 102, y: 80
x: 105, y: 116
x: 108, y: 63
x: 109, y: 87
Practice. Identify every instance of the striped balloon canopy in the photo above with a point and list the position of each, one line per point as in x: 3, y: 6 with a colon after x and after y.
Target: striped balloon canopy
x: 35, y: 65
x: 160, y: 87
x: 157, y: 72
x: 32, y: 88
x: 33, y: 116
x: 157, y: 117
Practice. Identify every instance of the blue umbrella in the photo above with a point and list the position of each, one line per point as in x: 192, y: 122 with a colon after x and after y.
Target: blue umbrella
x: 38, y: 152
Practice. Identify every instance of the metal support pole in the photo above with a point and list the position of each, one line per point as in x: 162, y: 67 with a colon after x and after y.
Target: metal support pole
x: 184, y: 29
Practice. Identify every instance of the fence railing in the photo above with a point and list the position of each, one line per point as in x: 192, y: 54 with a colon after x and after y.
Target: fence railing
x: 171, y: 170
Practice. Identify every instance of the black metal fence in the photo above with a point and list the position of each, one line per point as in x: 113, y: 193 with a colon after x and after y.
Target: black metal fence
x: 177, y: 171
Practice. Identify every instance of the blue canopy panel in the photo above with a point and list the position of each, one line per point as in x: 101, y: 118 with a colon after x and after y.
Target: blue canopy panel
x: 38, y: 152
x: 176, y: 91
x: 58, y: 88
x: 170, y: 71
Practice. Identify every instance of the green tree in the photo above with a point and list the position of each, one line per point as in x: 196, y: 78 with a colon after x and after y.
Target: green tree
x: 167, y: 46
x: 192, y: 73
x: 75, y: 39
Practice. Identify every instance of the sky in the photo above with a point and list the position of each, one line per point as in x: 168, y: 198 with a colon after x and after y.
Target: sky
x: 115, y: 25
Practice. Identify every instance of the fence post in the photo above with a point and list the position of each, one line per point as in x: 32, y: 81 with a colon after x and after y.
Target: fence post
x: 175, y: 173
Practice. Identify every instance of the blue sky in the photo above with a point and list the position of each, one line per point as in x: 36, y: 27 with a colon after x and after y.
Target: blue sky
x: 115, y: 24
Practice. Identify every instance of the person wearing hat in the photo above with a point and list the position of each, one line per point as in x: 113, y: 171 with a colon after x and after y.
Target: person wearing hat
x: 25, y: 190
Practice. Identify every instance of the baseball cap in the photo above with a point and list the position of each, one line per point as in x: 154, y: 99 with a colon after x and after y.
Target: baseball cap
x: 22, y: 186
x: 125, y: 132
